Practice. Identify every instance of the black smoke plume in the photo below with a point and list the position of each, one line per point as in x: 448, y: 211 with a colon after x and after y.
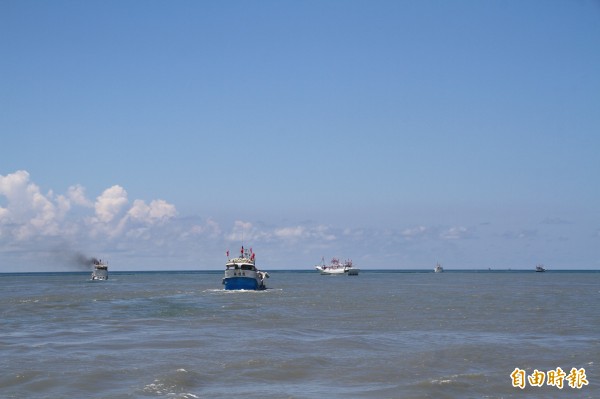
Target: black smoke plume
x: 82, y: 261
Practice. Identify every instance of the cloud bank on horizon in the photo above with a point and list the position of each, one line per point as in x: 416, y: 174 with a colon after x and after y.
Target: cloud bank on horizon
x: 36, y: 226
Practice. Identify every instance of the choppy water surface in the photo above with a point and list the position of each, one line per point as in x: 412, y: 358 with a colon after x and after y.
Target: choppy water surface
x: 377, y: 335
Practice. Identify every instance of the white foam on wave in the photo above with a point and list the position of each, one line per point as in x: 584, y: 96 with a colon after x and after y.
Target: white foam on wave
x: 441, y: 382
x: 160, y: 388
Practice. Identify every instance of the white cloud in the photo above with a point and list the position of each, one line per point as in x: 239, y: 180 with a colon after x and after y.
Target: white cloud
x: 63, y: 205
x: 414, y: 232
x: 157, y: 211
x: 322, y: 232
x: 44, y: 211
x: 110, y: 203
x: 291, y: 232
x: 28, y: 210
x: 455, y: 233
x: 213, y: 228
x: 76, y: 194
x: 14, y: 188
x: 245, y: 232
x: 296, y: 233
x: 210, y: 228
x: 27, y: 213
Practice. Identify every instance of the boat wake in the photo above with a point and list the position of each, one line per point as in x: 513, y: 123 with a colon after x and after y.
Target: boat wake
x: 235, y: 292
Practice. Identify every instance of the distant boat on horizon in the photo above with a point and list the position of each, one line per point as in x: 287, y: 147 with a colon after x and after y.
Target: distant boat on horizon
x: 335, y: 267
x: 100, y: 271
x: 540, y: 268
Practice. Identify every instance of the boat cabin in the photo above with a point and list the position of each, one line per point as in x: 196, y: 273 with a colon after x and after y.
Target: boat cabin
x: 242, y: 266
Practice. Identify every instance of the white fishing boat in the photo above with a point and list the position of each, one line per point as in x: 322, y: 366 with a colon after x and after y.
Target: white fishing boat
x: 540, y: 268
x: 241, y: 273
x: 438, y: 268
x: 335, y: 267
x: 100, y: 271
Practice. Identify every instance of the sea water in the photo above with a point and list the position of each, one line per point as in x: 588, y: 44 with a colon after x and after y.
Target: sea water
x: 377, y: 335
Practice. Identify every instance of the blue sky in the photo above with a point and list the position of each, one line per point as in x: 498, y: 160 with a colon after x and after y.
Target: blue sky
x: 396, y: 133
